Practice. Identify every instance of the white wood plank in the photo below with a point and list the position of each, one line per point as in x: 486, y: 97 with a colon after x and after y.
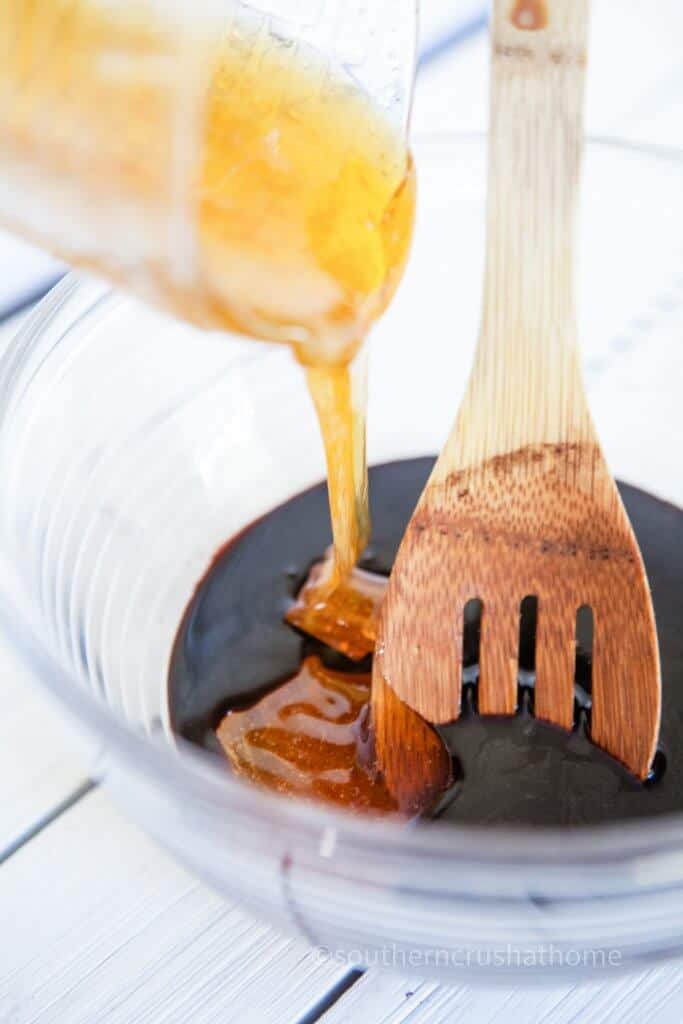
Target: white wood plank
x: 41, y: 763
x: 98, y: 925
x: 656, y: 994
x: 380, y: 997
x: 42, y: 757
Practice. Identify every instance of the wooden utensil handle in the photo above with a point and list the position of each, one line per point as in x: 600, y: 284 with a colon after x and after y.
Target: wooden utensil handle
x: 525, y: 387
x: 536, y: 142
x: 535, y: 148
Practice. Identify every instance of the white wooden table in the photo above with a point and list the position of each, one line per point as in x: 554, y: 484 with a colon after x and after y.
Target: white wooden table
x: 97, y: 923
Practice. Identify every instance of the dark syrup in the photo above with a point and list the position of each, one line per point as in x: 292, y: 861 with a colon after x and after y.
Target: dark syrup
x: 233, y: 646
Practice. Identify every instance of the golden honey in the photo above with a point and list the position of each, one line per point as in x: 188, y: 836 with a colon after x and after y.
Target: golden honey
x: 228, y: 176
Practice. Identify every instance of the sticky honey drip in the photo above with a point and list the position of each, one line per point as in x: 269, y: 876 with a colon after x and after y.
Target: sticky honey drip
x: 291, y: 219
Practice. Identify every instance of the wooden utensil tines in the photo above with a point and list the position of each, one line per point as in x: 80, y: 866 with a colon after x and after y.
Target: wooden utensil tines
x: 521, y: 502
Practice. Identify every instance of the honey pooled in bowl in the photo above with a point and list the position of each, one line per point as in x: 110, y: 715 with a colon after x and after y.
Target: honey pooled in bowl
x: 309, y: 737
x: 313, y: 734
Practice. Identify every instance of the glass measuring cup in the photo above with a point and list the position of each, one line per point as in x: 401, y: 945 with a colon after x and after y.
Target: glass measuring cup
x: 171, y: 146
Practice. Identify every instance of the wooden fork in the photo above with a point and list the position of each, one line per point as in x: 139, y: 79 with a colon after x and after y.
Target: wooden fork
x: 521, y: 501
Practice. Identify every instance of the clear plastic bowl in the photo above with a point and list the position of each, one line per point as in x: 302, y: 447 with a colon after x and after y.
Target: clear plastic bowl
x: 132, y: 447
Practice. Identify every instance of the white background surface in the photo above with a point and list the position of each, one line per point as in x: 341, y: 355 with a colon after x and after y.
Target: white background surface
x: 97, y: 924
